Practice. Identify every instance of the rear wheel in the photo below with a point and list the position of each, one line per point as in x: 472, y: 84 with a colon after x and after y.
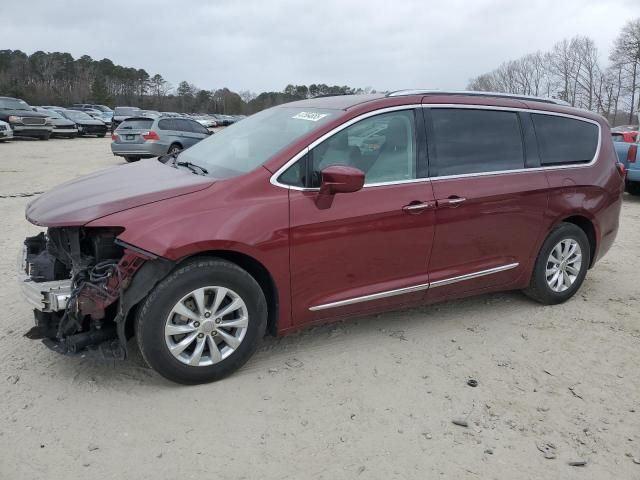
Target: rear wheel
x: 202, y: 322
x: 175, y: 148
x: 132, y: 159
x: 633, y: 188
x: 561, y: 265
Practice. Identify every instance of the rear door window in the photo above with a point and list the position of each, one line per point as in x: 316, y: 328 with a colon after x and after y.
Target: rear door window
x: 469, y: 141
x: 563, y: 140
x: 166, y: 124
x: 182, y: 125
x: 197, y: 127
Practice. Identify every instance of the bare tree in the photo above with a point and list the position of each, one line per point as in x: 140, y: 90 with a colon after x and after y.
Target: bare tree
x: 626, y: 52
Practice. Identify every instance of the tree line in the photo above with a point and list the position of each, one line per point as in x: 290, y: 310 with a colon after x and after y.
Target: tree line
x: 572, y: 71
x: 55, y: 78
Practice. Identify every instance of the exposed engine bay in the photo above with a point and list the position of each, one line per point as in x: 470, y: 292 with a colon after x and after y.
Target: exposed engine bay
x: 81, y: 283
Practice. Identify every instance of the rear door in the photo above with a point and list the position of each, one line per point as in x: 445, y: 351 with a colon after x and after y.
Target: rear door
x: 368, y: 250
x: 199, y: 131
x: 185, y: 131
x: 490, y: 204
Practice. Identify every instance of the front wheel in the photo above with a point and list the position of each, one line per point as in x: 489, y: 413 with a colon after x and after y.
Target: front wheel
x: 131, y: 159
x: 202, y: 322
x: 101, y: 135
x: 561, y: 265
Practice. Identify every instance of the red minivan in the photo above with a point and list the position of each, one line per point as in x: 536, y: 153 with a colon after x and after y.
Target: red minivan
x: 320, y: 210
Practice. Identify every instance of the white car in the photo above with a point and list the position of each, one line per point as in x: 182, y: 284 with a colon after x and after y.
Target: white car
x: 5, y: 131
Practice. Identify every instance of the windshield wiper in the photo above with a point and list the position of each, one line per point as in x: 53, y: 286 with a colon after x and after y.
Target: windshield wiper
x: 194, y: 167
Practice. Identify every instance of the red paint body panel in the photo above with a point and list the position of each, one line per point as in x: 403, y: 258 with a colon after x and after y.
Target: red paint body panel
x: 499, y: 223
x: 361, y: 244
x: 108, y: 191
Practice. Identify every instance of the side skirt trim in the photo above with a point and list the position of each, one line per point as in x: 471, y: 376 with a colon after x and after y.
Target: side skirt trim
x: 414, y: 288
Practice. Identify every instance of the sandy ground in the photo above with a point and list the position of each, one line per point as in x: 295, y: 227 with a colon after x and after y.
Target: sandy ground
x: 370, y: 398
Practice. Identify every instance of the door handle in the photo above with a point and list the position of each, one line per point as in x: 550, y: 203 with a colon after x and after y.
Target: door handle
x: 451, y: 202
x: 419, y: 207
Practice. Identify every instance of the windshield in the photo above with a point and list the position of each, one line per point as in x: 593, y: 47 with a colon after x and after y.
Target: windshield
x: 76, y: 115
x: 102, y: 108
x: 49, y: 113
x: 14, y: 104
x: 246, y: 145
x: 126, y: 110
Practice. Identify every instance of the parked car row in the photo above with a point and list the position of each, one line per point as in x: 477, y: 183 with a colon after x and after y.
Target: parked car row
x: 43, y: 122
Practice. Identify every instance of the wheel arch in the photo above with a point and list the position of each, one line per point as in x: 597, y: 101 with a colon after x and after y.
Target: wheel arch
x: 254, y: 267
x: 589, y: 228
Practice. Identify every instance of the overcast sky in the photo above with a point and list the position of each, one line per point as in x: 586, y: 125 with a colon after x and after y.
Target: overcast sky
x: 263, y: 45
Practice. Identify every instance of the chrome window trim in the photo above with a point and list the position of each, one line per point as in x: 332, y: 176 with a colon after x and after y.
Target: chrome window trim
x: 414, y: 288
x: 274, y: 178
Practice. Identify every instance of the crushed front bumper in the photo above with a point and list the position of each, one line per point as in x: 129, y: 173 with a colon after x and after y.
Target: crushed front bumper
x: 46, y: 296
x: 43, y: 296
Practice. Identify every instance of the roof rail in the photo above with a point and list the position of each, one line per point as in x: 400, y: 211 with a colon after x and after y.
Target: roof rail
x: 471, y: 93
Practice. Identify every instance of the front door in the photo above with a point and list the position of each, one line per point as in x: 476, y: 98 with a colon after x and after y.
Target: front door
x: 490, y: 205
x: 368, y: 250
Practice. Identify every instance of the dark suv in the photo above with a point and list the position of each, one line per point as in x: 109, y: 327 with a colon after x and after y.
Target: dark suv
x: 24, y: 120
x: 321, y: 210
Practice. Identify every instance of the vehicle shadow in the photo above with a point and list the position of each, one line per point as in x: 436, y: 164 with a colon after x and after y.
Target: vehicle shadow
x: 441, y: 322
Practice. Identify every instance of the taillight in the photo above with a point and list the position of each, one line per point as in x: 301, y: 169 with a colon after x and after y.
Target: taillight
x: 114, y: 137
x: 150, y: 135
x: 632, y: 153
x: 621, y: 170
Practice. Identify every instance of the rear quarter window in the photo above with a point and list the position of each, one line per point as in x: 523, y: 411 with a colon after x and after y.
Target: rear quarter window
x: 563, y: 140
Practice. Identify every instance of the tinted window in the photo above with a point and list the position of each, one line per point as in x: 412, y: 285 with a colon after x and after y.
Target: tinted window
x: 166, y: 124
x: 475, y: 141
x: 136, y: 123
x: 197, y: 127
x: 182, y: 125
x: 564, y: 140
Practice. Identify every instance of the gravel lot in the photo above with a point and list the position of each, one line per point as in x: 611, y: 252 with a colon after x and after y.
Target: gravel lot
x: 370, y: 398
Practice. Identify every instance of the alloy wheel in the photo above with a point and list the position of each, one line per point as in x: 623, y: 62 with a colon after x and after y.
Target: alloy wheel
x: 563, y: 265
x: 206, y: 326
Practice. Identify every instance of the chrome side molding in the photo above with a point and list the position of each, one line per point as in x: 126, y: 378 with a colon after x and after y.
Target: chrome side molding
x: 414, y: 288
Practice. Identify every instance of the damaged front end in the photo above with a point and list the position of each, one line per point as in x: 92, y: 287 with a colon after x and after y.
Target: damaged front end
x: 82, y: 283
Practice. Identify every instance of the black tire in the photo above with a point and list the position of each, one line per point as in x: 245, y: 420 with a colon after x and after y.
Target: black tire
x: 633, y: 188
x: 44, y: 137
x: 194, y: 274
x: 101, y: 135
x: 174, y: 148
x: 131, y: 159
x: 539, y: 289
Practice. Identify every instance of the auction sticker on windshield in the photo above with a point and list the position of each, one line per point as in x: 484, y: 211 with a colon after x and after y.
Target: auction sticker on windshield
x: 311, y: 116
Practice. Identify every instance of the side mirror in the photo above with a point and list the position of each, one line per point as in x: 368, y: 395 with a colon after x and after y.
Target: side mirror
x: 341, y: 179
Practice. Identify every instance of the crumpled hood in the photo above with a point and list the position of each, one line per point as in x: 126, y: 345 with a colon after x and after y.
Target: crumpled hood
x: 85, y: 199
